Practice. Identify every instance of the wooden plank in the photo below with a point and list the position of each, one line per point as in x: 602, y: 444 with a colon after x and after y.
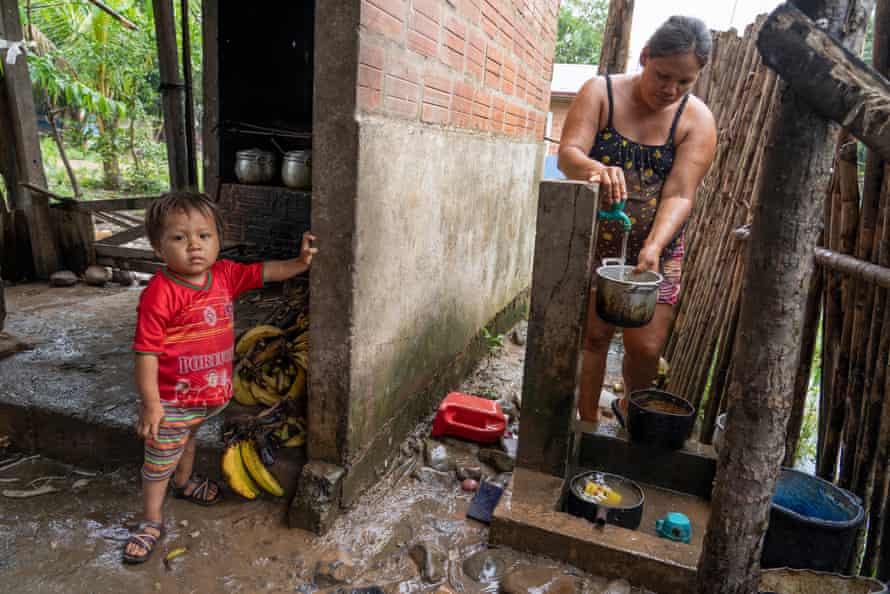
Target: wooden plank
x: 132, y: 203
x: 114, y: 251
x: 22, y: 116
x: 616, y: 38
x: 210, y: 116
x: 831, y: 79
x: 76, y: 236
x: 853, y: 267
x: 560, y: 291
x: 8, y: 166
x: 147, y: 266
x: 172, y: 94
x: 124, y: 236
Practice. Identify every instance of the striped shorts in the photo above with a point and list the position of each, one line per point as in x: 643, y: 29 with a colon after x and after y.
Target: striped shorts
x: 672, y: 270
x: 161, y: 456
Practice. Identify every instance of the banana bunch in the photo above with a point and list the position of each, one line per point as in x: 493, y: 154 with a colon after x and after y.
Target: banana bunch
x: 245, y: 473
x: 272, y: 363
x: 291, y: 433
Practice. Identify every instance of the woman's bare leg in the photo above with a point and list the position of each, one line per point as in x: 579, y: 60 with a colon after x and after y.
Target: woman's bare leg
x: 642, y: 348
x: 597, y: 336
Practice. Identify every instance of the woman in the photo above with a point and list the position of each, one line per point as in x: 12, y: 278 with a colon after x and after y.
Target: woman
x: 642, y: 137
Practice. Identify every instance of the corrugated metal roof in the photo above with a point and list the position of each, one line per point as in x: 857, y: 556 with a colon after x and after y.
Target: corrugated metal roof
x: 568, y: 78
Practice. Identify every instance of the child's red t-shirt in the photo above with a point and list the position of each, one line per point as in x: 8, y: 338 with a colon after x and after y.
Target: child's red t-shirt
x: 191, y: 330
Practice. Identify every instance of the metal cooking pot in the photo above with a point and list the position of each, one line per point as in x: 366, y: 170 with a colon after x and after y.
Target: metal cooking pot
x: 254, y: 166
x: 628, y: 514
x: 623, y: 297
x: 296, y: 169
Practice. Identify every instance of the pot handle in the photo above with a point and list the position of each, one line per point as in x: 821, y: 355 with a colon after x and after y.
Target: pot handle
x: 601, y: 513
x: 612, y: 261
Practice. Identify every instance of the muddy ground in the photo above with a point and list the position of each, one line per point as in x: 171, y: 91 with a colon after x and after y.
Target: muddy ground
x: 409, y: 534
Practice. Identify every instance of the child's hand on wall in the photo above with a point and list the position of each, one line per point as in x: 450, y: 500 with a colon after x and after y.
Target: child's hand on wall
x: 307, y: 252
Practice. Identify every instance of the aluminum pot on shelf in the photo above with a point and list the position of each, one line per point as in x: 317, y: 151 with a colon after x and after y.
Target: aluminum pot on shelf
x: 254, y: 166
x: 296, y: 169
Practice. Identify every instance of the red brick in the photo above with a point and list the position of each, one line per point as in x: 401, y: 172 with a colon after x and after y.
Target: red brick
x: 455, y: 42
x: 400, y: 107
x: 490, y: 27
x: 370, y: 54
x: 471, y: 10
x: 496, y: 121
x: 435, y: 97
x: 480, y: 122
x: 489, y: 10
x: 494, y: 53
x: 456, y: 27
x: 370, y: 77
x: 461, y: 105
x: 474, y: 69
x: 368, y: 99
x: 380, y: 22
x: 421, y: 44
x: 430, y: 8
x: 452, y: 59
x: 462, y: 120
x: 401, y: 89
x: 482, y: 104
x: 424, y: 25
x: 395, y: 8
x: 464, y: 90
x: 437, y: 82
x: 403, y: 70
x: 434, y: 115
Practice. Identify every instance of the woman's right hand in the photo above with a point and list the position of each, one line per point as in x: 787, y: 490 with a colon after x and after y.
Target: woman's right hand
x: 613, y: 188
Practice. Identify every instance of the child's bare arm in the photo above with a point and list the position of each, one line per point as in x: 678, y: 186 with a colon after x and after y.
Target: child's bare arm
x: 147, y: 382
x: 279, y: 270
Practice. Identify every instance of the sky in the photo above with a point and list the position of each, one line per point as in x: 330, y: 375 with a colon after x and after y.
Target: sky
x: 717, y: 14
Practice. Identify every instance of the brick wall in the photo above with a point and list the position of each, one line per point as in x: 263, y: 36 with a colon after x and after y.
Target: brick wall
x: 559, y: 107
x: 270, y: 221
x: 476, y: 64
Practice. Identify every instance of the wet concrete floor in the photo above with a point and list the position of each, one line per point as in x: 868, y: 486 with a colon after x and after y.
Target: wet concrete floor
x: 408, y: 534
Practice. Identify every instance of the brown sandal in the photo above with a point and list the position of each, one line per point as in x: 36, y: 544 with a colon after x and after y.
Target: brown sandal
x: 200, y: 493
x: 144, y: 540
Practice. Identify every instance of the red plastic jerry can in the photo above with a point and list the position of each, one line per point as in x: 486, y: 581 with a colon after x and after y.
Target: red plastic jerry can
x: 471, y: 417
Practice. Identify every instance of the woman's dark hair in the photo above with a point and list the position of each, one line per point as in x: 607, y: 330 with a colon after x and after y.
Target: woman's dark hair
x: 680, y: 35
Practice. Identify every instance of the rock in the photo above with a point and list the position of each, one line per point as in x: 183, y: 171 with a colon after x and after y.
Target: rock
x: 519, y: 334
x: 430, y: 560
x: 96, y: 276
x: 63, y: 278
x: 469, y: 484
x: 507, y: 407
x: 333, y: 568
x: 469, y: 472
x: 540, y: 580
x: 317, y: 502
x: 437, y: 457
x: 510, y: 445
x: 501, y: 461
x: 124, y: 278
x: 431, y: 476
x: 485, y: 566
x: 618, y: 587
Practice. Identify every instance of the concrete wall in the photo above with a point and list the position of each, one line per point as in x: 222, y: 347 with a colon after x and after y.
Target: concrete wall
x: 451, y: 102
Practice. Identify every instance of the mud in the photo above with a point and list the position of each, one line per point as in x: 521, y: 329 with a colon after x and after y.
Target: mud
x: 408, y: 534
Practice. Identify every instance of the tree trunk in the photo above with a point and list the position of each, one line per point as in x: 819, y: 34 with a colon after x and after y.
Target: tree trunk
x: 836, y: 84
x: 111, y: 166
x: 616, y: 37
x: 58, y: 138
x: 785, y: 230
x: 172, y: 94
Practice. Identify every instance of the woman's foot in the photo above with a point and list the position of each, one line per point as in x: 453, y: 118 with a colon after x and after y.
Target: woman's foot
x: 142, y: 542
x: 198, y: 490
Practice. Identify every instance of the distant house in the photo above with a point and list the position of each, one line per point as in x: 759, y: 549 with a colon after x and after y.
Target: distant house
x: 567, y: 81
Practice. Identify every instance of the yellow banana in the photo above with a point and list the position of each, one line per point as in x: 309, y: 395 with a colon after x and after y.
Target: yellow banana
x: 242, y: 391
x: 236, y: 474
x: 298, y: 387
x: 255, y: 334
x: 260, y: 473
x: 263, y: 395
x: 295, y: 441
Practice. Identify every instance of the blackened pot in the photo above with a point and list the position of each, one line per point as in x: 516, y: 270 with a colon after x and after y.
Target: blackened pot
x: 659, y: 418
x: 627, y: 515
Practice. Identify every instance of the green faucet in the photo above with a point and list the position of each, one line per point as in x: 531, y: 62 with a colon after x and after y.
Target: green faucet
x: 616, y: 213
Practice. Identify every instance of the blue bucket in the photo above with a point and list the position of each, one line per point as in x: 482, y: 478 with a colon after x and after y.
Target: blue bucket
x: 812, y: 524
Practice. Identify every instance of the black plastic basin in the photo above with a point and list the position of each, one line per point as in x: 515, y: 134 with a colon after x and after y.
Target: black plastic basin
x: 812, y: 524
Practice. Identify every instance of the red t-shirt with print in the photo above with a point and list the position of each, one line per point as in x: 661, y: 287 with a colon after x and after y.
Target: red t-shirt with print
x: 191, y: 330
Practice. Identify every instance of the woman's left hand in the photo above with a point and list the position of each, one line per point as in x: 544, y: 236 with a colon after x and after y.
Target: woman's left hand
x: 648, y: 258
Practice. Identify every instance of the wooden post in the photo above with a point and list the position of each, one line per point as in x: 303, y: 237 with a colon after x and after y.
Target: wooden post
x: 616, y: 37
x: 8, y: 166
x: 172, y: 94
x: 210, y: 114
x: 189, y: 96
x: 785, y: 230
x: 835, y: 83
x: 21, y: 116
x: 560, y: 291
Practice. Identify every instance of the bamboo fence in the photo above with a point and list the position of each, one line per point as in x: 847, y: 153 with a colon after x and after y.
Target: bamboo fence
x: 848, y: 299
